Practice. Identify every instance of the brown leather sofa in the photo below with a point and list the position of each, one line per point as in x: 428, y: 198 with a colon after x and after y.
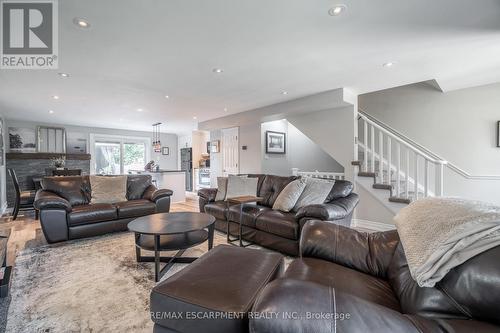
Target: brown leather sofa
x: 275, y: 229
x: 364, y: 281
x: 66, y: 212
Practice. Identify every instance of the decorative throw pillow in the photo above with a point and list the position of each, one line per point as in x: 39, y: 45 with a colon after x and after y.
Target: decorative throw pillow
x: 108, y: 189
x: 221, y: 188
x: 288, y: 197
x: 238, y: 186
x: 314, y: 193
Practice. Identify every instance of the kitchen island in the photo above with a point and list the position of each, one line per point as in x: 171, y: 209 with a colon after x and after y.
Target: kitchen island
x: 174, y: 180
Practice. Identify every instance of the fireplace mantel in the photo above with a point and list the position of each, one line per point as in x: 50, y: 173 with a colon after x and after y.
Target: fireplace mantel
x: 46, y: 156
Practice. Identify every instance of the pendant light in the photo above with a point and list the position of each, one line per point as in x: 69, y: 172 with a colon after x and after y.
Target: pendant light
x: 156, y: 138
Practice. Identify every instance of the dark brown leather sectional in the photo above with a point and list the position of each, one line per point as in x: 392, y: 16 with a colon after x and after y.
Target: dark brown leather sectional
x: 364, y: 279
x: 275, y: 229
x: 66, y: 212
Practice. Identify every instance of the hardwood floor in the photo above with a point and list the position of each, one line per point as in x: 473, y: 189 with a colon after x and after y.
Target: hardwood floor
x: 26, y: 232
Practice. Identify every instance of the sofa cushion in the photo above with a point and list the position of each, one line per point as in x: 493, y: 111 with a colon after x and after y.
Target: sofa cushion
x: 136, y: 185
x: 217, y: 209
x: 71, y: 188
x: 250, y: 213
x: 345, y: 280
x: 272, y: 187
x: 341, y: 189
x: 86, y: 214
x: 241, y: 186
x: 278, y: 223
x: 289, y: 195
x: 315, y: 192
x: 221, y: 189
x: 108, y: 189
x: 135, y: 208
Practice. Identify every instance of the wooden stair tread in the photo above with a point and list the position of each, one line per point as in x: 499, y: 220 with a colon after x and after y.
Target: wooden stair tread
x: 366, y: 174
x: 382, y: 186
x: 400, y: 200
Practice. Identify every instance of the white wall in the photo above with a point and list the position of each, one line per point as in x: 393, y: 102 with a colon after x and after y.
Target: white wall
x: 168, y: 162
x: 459, y: 126
x: 333, y: 131
x: 250, y: 160
x: 301, y: 152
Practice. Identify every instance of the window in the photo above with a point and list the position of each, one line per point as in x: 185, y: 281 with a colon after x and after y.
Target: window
x: 112, y: 155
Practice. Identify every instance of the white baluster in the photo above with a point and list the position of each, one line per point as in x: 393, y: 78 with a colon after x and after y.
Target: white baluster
x: 372, y: 130
x: 439, y: 180
x: 381, y: 156
x: 398, y: 170
x: 365, y: 137
x: 415, y: 178
x: 407, y: 173
x: 389, y: 160
x: 426, y: 178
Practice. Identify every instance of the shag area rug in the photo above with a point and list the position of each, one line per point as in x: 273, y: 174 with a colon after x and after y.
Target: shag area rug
x: 90, y: 285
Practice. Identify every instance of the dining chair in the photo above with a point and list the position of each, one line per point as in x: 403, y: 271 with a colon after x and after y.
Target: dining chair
x: 24, y: 199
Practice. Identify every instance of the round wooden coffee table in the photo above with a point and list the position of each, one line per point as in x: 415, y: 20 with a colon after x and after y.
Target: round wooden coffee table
x: 171, y: 232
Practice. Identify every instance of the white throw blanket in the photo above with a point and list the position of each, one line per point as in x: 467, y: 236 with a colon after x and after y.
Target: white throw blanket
x: 439, y: 234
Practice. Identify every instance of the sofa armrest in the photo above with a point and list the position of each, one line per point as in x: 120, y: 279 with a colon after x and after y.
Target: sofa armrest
x: 369, y: 253
x: 50, y: 200
x: 154, y: 194
x: 208, y: 194
x: 335, y: 210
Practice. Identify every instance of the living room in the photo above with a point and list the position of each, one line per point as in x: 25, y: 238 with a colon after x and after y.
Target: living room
x: 248, y: 166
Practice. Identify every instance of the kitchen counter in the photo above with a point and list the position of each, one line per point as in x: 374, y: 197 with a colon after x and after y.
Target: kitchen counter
x: 159, y: 171
x: 174, y: 180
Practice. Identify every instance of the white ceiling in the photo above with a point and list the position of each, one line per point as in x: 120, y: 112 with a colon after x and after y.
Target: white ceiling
x: 138, y: 51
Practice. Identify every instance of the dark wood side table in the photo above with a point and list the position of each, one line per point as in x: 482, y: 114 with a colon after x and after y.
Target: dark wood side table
x: 171, y: 232
x: 242, y: 201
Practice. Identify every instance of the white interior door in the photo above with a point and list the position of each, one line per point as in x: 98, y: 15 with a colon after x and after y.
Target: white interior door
x: 230, y: 151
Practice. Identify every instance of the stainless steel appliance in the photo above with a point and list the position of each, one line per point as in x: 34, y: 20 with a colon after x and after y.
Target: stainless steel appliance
x: 204, y: 177
x: 187, y: 166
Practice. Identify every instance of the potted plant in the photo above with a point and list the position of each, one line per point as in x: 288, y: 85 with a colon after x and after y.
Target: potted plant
x: 59, y: 162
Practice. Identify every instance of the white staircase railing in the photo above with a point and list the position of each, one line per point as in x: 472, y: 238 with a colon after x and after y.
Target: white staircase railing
x: 319, y: 174
x: 412, y: 172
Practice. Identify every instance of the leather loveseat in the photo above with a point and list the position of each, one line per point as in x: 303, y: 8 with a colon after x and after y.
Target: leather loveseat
x: 66, y: 211
x: 347, y: 281
x: 272, y: 228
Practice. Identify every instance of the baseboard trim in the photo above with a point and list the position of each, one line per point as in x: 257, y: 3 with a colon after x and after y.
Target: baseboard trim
x: 372, y: 225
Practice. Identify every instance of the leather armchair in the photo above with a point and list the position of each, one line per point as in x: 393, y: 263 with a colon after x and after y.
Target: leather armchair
x: 349, y: 281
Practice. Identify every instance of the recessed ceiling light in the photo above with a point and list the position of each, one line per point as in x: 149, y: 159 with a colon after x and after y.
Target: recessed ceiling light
x: 63, y: 74
x: 388, y: 64
x: 195, y: 117
x: 81, y: 22
x: 55, y: 97
x: 51, y: 111
x: 284, y: 92
x: 140, y: 110
x: 167, y: 97
x: 217, y: 70
x: 337, y: 10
